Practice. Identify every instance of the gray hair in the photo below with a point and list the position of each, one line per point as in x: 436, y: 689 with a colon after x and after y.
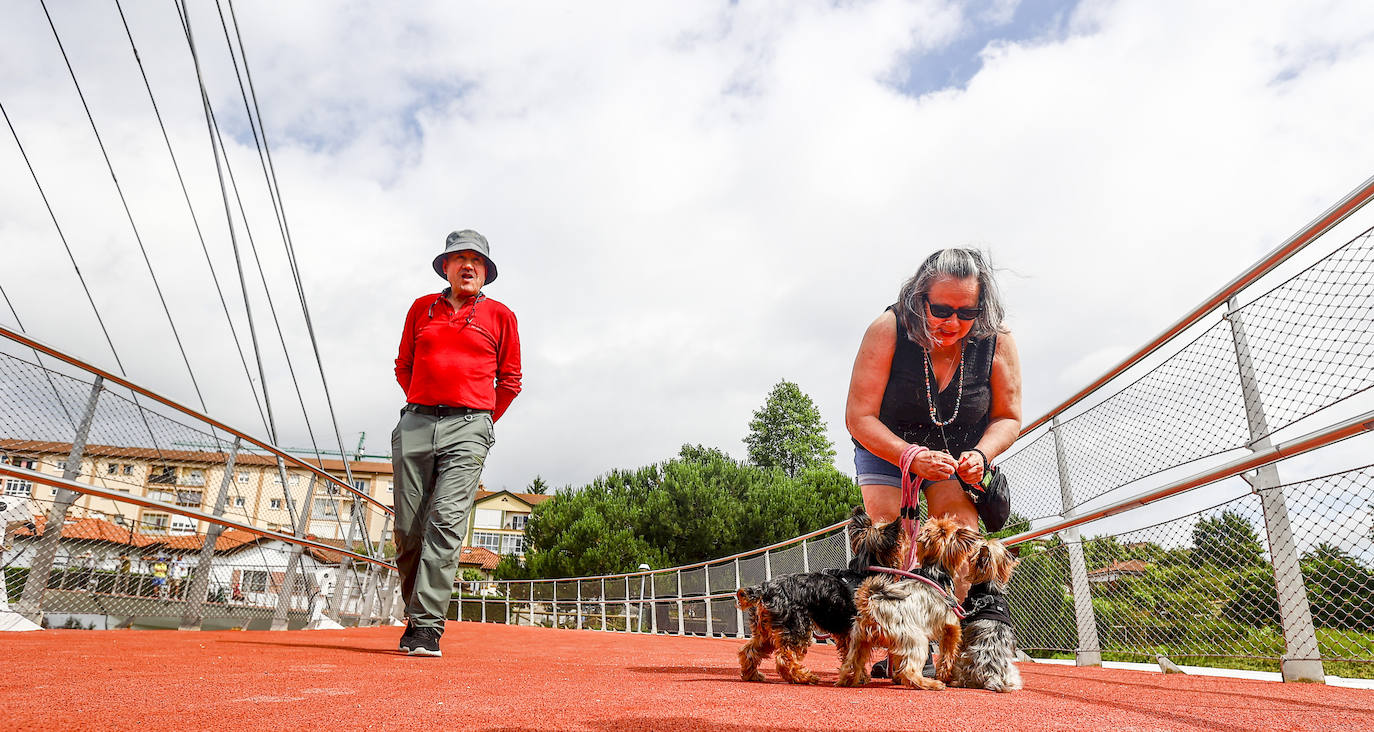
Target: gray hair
x: 958, y: 264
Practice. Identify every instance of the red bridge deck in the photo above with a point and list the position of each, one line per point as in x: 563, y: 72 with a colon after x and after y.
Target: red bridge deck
x: 495, y: 677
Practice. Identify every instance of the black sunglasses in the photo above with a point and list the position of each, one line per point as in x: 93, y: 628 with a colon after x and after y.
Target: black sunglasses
x: 944, y: 311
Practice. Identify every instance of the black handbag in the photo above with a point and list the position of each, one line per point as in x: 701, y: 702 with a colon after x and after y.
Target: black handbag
x: 992, y: 498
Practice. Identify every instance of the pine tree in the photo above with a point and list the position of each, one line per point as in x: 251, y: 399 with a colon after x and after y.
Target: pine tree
x: 787, y: 432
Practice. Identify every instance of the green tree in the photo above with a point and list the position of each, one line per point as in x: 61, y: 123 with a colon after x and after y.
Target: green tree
x: 537, y: 486
x: 700, y: 505
x: 1228, y: 540
x: 1016, y: 524
x: 787, y: 432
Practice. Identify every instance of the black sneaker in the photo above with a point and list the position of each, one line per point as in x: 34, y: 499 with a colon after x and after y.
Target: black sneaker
x: 425, y: 642
x: 880, y: 669
x: 408, y: 637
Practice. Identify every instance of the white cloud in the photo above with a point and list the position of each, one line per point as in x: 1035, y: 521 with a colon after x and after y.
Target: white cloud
x: 688, y: 202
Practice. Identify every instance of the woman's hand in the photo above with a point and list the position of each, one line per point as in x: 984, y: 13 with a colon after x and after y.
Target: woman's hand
x: 971, y: 467
x: 933, y: 465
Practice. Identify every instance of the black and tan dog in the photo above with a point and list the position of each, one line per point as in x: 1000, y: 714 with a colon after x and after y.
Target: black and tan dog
x: 905, y: 615
x: 783, y: 611
x: 987, y: 650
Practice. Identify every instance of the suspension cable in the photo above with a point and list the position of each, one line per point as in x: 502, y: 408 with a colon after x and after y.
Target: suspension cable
x: 280, y: 206
x: 184, y: 15
x: 214, y: 276
x: 80, y: 277
x: 47, y: 373
x: 127, y: 212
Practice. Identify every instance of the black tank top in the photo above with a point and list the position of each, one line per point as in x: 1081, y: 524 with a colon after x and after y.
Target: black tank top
x: 906, y: 412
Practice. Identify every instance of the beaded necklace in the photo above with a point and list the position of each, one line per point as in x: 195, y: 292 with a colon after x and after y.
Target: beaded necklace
x: 958, y: 397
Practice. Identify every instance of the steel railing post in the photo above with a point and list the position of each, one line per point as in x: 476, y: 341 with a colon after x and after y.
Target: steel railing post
x: 192, y: 618
x: 293, y: 562
x: 681, y: 620
x: 30, y: 600
x: 710, y: 625
x: 739, y: 614
x: 1302, y: 659
x: 653, y: 604
x: 1089, y: 651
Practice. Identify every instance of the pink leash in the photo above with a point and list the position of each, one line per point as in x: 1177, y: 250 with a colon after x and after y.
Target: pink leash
x: 911, y: 496
x: 954, y: 602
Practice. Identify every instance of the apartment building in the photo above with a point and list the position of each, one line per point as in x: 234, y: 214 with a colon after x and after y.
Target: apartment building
x: 258, y: 492
x: 254, y: 494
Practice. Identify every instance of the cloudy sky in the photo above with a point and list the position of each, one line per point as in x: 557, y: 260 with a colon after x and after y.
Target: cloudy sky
x: 687, y: 201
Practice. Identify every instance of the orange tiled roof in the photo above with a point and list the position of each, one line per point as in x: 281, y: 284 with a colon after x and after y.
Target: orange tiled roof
x: 90, y: 529
x: 185, y: 456
x: 478, y: 556
x: 1130, y: 565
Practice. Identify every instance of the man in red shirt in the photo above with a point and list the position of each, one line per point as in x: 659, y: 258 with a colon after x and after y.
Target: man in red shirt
x: 459, y: 365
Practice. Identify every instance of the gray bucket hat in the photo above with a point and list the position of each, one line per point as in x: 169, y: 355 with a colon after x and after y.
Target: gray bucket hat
x: 466, y: 240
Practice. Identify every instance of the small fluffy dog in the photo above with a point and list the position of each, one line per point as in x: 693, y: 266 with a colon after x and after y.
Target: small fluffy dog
x: 987, y: 650
x: 783, y: 610
x: 904, y: 615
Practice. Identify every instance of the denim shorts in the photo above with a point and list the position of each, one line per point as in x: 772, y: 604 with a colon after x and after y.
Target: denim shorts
x: 869, y: 469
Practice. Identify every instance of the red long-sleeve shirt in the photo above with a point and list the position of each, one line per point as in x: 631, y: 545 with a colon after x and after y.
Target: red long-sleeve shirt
x: 446, y: 361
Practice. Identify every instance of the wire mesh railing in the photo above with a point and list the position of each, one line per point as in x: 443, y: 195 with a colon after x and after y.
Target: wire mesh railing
x: 102, y: 478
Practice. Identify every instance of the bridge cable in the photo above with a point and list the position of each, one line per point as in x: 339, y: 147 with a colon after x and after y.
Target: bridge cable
x: 80, y: 278
x: 211, y: 129
x: 286, y: 235
x: 129, y: 214
x: 214, y: 276
x: 47, y: 373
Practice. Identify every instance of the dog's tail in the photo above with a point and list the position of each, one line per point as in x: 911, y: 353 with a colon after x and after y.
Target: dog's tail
x: 748, y: 597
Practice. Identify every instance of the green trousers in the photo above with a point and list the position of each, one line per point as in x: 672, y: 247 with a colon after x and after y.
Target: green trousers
x: 437, y: 464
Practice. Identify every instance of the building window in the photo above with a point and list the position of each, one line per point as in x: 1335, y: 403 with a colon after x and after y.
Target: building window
x: 194, y: 476
x: 182, y: 526
x: 518, y: 521
x: 243, y: 477
x: 487, y: 518
x: 20, y: 488
x: 238, y: 501
x: 62, y: 465
x: 111, y: 468
x: 274, y: 504
x: 190, y: 498
x: 155, y: 523
x: 254, y: 580
x: 361, y: 485
x: 128, y: 469
x: 162, y: 474
x: 164, y: 496
x: 487, y: 540
x: 512, y: 544
x: 20, y: 462
x: 389, y: 487
x: 326, y: 508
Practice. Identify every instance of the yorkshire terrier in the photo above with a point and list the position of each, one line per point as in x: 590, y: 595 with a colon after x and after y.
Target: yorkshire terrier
x: 783, y: 610
x: 987, y: 649
x: 905, y: 615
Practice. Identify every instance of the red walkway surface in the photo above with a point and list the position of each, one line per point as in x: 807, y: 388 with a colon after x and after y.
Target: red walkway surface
x: 494, y: 677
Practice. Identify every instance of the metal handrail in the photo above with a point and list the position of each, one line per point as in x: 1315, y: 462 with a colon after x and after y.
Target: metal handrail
x: 37, y: 345
x: 122, y: 497
x: 1348, y: 205
x: 1260, y: 457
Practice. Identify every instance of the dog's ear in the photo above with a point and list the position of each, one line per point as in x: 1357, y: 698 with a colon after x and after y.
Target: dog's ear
x: 859, y: 518
x: 893, y: 529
